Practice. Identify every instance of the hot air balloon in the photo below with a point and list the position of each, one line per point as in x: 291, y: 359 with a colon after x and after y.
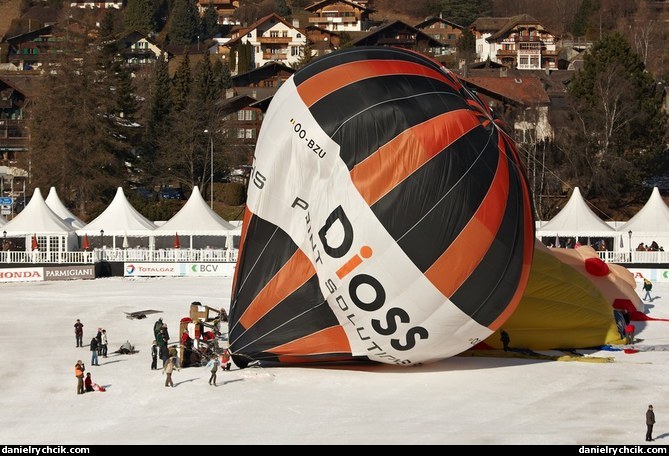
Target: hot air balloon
x: 388, y: 217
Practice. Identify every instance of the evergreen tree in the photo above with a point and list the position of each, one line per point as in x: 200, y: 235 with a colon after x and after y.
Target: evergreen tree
x: 621, y: 127
x: 210, y: 22
x: 462, y: 12
x: 158, y: 120
x: 181, y: 84
x: 207, y: 90
x: 107, y: 25
x: 139, y: 16
x: 244, y: 57
x: 233, y: 58
x: 282, y: 9
x: 76, y: 142
x: 222, y: 75
x: 184, y: 24
x: 306, y: 55
x: 581, y: 18
x: 467, y: 46
x: 126, y: 102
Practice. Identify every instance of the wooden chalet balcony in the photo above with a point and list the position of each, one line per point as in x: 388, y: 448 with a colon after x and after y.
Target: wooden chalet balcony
x: 271, y: 56
x: 13, y: 135
x: 506, y: 53
x: 274, y: 40
x: 330, y: 20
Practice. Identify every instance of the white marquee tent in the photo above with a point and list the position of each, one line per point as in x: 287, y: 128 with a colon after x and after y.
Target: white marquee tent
x: 650, y: 224
x: 38, y: 220
x: 121, y: 224
x: 3, y: 220
x: 56, y: 205
x: 198, y: 222
x: 576, y: 220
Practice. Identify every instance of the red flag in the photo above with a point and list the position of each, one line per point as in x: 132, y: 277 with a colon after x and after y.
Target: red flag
x: 177, y: 242
x: 35, y: 244
x: 87, y: 244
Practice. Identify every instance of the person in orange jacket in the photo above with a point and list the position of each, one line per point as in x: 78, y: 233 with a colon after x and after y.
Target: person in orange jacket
x: 79, y: 369
x: 225, y: 360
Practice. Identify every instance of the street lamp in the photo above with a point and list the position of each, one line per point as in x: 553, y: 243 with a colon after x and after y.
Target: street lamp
x: 102, y: 235
x: 211, y: 176
x: 629, y: 233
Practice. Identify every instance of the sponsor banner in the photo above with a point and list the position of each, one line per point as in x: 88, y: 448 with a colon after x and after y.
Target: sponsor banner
x: 178, y: 269
x: 22, y: 275
x: 69, y: 272
x: 654, y: 275
x: 152, y: 270
x: 209, y: 269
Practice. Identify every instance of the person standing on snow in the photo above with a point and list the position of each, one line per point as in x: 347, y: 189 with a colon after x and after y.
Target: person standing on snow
x: 94, y: 351
x: 103, y: 342
x: 99, y: 339
x: 647, y: 286
x: 650, y: 421
x: 225, y: 360
x: 212, y: 365
x: 167, y: 370
x: 79, y: 373
x: 504, y: 337
x: 79, y: 333
x: 154, y: 356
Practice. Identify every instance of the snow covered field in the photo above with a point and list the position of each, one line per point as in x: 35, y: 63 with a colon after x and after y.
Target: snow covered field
x: 462, y: 400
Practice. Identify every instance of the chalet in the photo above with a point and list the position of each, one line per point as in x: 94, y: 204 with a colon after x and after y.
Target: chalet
x: 137, y: 49
x: 322, y: 41
x: 100, y: 4
x: 28, y: 50
x: 520, y: 100
x: 224, y: 8
x: 245, y: 104
x: 444, y: 31
x: 271, y: 38
x: 517, y: 42
x: 340, y: 15
x: 16, y: 91
x: 399, y: 34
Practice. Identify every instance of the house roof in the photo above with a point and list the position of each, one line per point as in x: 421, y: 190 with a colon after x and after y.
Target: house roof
x: 25, y: 84
x: 260, y: 73
x: 128, y: 39
x: 366, y: 38
x: 43, y: 14
x: 243, y: 31
x: 195, y: 218
x: 321, y: 29
x: 431, y: 20
x: 323, y: 3
x: 521, y: 19
x: 489, y: 24
x: 231, y: 105
x: 119, y: 219
x: 526, y: 91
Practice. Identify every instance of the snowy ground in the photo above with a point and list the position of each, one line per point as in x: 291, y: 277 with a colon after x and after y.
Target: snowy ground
x: 462, y: 400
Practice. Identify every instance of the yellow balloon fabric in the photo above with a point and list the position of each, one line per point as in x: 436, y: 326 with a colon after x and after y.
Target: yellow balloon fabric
x: 562, y: 307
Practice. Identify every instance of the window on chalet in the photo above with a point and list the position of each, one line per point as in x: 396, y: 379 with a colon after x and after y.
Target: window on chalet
x: 299, y: 35
x: 274, y: 34
x: 451, y: 36
x: 284, y: 34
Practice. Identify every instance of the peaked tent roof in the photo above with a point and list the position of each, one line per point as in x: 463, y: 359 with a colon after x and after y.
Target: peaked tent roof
x: 56, y: 205
x: 119, y: 219
x: 37, y: 218
x: 653, y: 217
x: 195, y: 218
x: 576, y: 219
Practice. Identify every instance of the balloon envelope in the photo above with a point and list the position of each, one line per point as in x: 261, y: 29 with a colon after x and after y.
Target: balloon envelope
x: 388, y: 217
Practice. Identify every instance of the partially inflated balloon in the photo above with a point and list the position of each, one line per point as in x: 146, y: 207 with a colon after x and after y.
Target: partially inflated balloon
x: 388, y: 217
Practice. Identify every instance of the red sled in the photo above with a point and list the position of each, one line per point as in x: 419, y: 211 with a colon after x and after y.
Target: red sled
x: 97, y: 387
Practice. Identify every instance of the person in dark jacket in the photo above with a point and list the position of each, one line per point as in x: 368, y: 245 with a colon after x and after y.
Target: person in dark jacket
x: 88, y: 383
x: 154, y: 356
x: 79, y: 333
x: 650, y: 421
x: 504, y: 337
x: 99, y: 339
x: 94, y: 352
